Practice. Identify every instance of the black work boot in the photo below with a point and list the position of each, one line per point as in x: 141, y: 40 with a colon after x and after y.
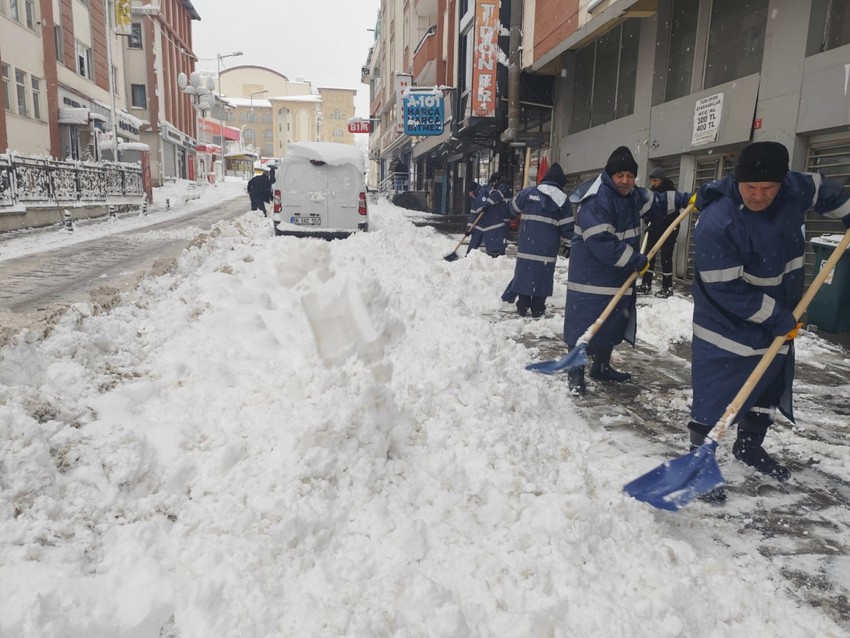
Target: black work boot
x: 747, y: 449
x: 666, y: 287
x: 645, y: 286
x: 601, y: 368
x: 575, y: 381
x: 698, y: 433
x: 522, y: 304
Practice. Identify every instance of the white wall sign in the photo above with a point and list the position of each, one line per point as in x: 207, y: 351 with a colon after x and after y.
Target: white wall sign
x: 707, y: 113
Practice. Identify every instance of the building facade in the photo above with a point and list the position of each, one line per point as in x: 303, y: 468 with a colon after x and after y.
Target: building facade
x: 69, y: 65
x: 685, y: 84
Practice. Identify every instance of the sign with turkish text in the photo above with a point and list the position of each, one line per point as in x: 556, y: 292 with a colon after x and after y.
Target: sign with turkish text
x: 358, y: 125
x: 403, y: 82
x: 707, y: 114
x: 423, y: 112
x: 485, y: 58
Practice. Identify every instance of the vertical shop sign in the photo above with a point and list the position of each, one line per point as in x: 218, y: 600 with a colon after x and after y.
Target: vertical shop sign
x: 123, y: 17
x: 403, y: 82
x: 485, y: 58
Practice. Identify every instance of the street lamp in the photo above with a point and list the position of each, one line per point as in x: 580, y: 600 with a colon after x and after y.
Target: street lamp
x: 219, y: 57
x: 199, y: 91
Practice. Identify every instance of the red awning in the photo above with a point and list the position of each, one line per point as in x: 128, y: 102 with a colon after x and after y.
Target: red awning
x: 214, y: 128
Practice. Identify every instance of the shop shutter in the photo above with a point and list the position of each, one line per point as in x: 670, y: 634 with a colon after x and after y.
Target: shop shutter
x: 833, y: 160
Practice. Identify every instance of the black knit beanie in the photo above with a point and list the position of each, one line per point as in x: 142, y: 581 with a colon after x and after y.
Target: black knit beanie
x: 621, y: 160
x: 762, y: 162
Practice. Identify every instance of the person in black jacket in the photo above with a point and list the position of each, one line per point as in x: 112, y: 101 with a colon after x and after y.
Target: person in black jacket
x: 666, y: 204
x: 260, y: 189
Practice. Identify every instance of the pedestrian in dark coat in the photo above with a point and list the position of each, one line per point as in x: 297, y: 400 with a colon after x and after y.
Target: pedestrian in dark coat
x: 494, y: 201
x: 260, y: 189
x: 546, y: 217
x: 748, y: 259
x: 666, y: 204
x: 605, y: 251
x: 473, y: 229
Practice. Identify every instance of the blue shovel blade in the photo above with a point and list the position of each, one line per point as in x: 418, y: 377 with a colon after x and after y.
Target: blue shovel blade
x: 576, y: 358
x: 674, y: 484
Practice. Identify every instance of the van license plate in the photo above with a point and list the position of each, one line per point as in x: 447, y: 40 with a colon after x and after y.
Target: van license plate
x: 307, y: 221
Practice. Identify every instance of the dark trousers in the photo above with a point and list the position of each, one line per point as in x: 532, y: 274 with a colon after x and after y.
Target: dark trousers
x: 258, y: 204
x: 666, y: 253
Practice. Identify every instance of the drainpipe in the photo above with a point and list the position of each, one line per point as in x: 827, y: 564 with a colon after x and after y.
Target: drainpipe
x: 515, y: 48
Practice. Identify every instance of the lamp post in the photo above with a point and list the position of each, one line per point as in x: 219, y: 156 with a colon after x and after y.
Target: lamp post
x: 219, y: 57
x: 199, y: 91
x: 109, y: 33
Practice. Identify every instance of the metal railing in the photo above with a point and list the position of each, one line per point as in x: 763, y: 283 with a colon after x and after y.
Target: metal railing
x: 29, y: 181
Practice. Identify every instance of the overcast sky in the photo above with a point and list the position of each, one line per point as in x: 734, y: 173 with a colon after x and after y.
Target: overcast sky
x: 324, y: 41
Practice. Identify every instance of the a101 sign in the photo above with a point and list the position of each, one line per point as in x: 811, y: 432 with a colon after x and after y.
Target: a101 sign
x: 423, y: 112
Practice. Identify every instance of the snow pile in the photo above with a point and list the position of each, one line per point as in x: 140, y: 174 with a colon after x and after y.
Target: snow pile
x: 292, y: 437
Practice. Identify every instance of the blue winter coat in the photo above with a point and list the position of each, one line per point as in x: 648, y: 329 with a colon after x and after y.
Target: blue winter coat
x: 495, y: 202
x: 748, y: 279
x: 546, y: 217
x: 605, y: 251
x: 475, y: 234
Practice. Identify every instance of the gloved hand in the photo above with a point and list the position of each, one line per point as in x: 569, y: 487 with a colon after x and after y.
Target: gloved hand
x: 792, y: 334
x: 693, y: 200
x: 564, y: 250
x: 644, y: 267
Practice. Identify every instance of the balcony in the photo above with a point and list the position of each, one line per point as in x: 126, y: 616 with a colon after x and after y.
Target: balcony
x: 425, y: 59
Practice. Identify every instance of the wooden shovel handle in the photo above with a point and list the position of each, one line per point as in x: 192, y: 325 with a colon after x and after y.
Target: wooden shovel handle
x: 469, y: 232
x: 588, y: 334
x: 767, y: 358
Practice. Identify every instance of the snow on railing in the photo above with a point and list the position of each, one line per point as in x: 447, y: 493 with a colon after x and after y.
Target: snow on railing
x: 30, y: 180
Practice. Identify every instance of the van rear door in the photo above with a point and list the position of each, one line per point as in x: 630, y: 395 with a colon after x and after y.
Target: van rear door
x: 305, y: 201
x: 344, y: 186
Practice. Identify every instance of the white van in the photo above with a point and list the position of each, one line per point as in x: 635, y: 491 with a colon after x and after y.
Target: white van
x: 320, y: 191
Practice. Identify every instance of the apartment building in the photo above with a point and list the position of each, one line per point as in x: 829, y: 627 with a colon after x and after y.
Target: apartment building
x: 270, y: 110
x: 685, y: 84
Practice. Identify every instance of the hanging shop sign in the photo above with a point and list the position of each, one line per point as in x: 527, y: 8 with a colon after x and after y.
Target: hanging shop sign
x: 707, y: 112
x: 359, y: 125
x: 485, y: 58
x: 123, y: 17
x: 424, y: 112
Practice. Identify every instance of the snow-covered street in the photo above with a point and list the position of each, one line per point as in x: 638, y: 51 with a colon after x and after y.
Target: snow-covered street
x: 292, y: 437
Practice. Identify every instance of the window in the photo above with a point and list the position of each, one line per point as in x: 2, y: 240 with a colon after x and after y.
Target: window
x: 21, y: 82
x: 829, y: 26
x: 338, y: 132
x: 605, y: 76
x: 59, y: 42
x: 36, y: 96
x: 139, y: 97
x: 680, y: 57
x: 7, y: 98
x: 135, y: 39
x: 14, y: 12
x: 84, y: 61
x: 735, y: 40
x: 29, y: 13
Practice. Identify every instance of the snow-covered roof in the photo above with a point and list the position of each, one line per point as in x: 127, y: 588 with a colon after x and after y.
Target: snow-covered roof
x: 297, y: 98
x: 328, y: 152
x: 246, y: 101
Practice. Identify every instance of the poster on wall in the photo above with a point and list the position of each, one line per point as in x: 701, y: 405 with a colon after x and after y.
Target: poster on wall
x: 707, y: 112
x: 485, y: 58
x: 123, y: 17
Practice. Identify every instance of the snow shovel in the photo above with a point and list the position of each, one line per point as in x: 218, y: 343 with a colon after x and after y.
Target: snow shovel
x: 674, y: 484
x: 453, y: 256
x: 577, y: 357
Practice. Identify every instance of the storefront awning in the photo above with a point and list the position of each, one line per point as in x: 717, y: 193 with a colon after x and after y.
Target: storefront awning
x: 73, y: 116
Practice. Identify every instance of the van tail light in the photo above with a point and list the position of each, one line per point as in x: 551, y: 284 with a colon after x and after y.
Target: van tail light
x: 362, y: 207
x: 277, y: 200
